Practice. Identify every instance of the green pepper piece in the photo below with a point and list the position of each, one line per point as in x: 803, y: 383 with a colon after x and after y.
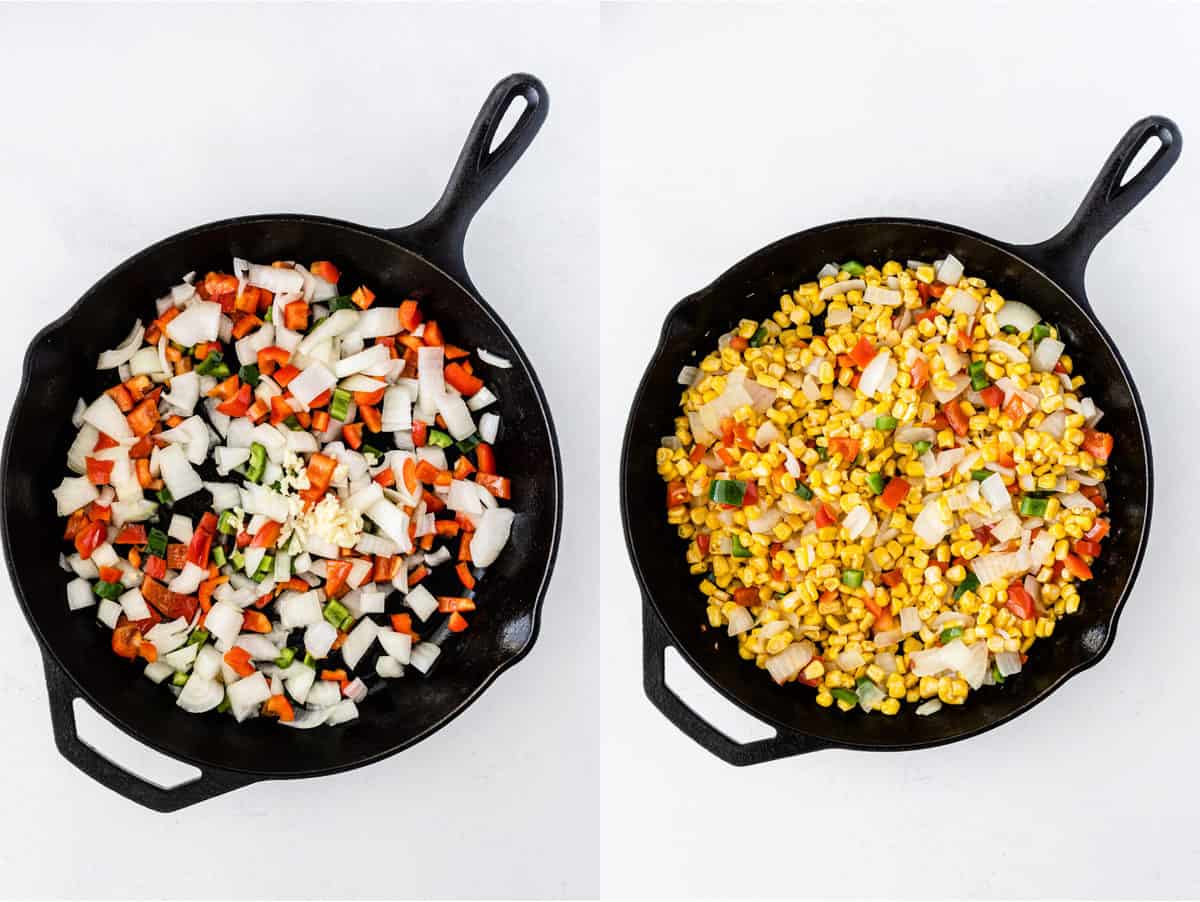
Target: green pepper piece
x: 759, y: 337
x: 950, y: 634
x: 804, y: 491
x: 875, y: 481
x: 335, y: 612
x: 249, y: 373
x: 738, y: 549
x: 885, y: 423
x: 286, y: 657
x: 156, y: 543
x: 852, y: 578
x: 844, y: 695
x: 969, y: 584
x: 439, y: 439
x: 257, y: 464
x: 339, y: 405
x: 853, y: 267
x: 727, y: 491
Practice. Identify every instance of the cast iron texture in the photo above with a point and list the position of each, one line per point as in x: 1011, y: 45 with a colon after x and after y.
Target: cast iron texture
x: 1049, y: 276
x: 423, y: 260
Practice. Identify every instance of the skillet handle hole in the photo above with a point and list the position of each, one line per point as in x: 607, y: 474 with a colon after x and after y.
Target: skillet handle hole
x: 691, y: 689
x: 512, y: 115
x: 1144, y: 155
x: 127, y: 753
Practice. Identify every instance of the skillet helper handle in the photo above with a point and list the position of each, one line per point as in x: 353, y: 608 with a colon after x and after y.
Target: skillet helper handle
x: 1107, y: 202
x: 655, y: 640
x: 62, y: 694
x: 441, y: 233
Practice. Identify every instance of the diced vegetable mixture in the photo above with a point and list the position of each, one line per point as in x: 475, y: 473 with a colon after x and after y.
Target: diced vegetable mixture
x: 891, y: 488
x: 333, y: 452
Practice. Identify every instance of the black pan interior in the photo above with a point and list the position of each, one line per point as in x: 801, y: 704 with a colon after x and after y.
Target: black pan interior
x: 752, y: 289
x: 60, y: 369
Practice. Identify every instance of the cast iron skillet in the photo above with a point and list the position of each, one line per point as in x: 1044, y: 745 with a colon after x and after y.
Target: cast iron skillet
x: 425, y: 260
x: 1049, y: 276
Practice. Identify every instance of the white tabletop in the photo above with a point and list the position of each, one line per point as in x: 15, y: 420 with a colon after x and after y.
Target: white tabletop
x: 680, y: 139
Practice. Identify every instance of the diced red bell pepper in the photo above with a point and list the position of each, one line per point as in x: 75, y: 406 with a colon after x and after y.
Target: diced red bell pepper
x: 677, y: 493
x: 992, y: 396
x: 99, y: 472
x: 919, y: 372
x: 500, y: 486
x: 90, y: 538
x: 485, y: 458
x: 464, y: 382
x: 863, y: 352
x: 1098, y: 531
x: 410, y: 315
x: 957, y: 419
x: 825, y: 516
x: 267, y: 536
x: 1075, y: 565
x: 1020, y: 602
x: 1097, y: 444
x: 894, y: 493
x: 239, y: 659
x: 848, y: 448
x: 239, y: 403
x: 133, y: 534
x: 336, y: 574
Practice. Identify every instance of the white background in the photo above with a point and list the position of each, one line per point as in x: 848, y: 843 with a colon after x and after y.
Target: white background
x: 680, y: 139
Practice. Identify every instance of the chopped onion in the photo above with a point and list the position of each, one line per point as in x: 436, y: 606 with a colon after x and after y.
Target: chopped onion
x: 359, y: 641
x: 260, y: 648
x: 338, y: 323
x: 363, y: 360
x: 73, y: 493
x: 1046, y: 354
x: 1008, y: 663
x: 1055, y: 424
x: 857, y: 521
x: 421, y: 601
x: 225, y: 495
x: 788, y: 663
x: 200, y: 694
x: 319, y: 638
x: 392, y: 521
x: 1022, y: 316
x: 188, y: 581
x: 887, y: 297
x: 874, y: 376
x: 910, y: 620
x: 930, y: 707
x: 314, y: 380
x: 123, y: 352
x: 275, y: 279
x: 930, y: 524
x: 1075, y: 501
x: 952, y: 357
x: 197, y: 323
x: 133, y: 603
x: 224, y: 622
x: 378, y: 321
x: 299, y: 609
x: 105, y: 415
x: 493, y: 359
x: 248, y: 693
x: 913, y: 434
x: 837, y: 317
x: 950, y: 270
x: 1012, y: 352
x: 430, y: 374
x: 457, y: 415
x: 178, y: 474
x: 397, y: 645
x: 740, y: 621
x: 489, y: 427
x: 184, y: 393
x: 841, y: 288
x: 996, y: 493
x: 79, y: 595
x: 491, y: 536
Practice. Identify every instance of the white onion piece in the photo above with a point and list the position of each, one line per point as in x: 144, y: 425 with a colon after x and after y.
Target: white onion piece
x: 397, y: 645
x: 1008, y: 663
x: 1012, y: 352
x: 996, y: 493
x: 224, y: 622
x: 931, y: 526
x: 740, y: 621
x: 841, y: 288
x: 874, y: 375
x: 123, y: 352
x: 79, y: 595
x: 314, y: 380
x: 299, y: 609
x: 423, y: 656
x: 378, y: 321
x: 1022, y: 316
x: 457, y: 415
x: 491, y: 536
x: 837, y: 317
x: 133, y: 603
x: 184, y: 393
x: 930, y: 707
x: 961, y: 381
x: 359, y: 641
x: 952, y: 357
x: 788, y: 663
x: 1055, y: 425
x: 950, y: 270
x: 225, y: 495
x: 913, y: 434
x: 421, y: 601
x: 200, y: 694
x: 319, y: 638
x: 260, y: 648
x: 392, y: 521
x: 489, y: 427
x: 363, y: 360
x: 1075, y: 501
x: 274, y: 279
x: 199, y: 322
x: 1046, y: 354
x: 910, y: 620
x: 247, y: 694
x: 688, y: 375
x: 178, y: 474
x: 188, y: 581
x: 105, y: 415
x: 430, y: 373
x: 144, y: 362
x: 887, y: 297
x: 73, y: 493
x: 338, y: 323
x: 494, y: 359
x: 790, y: 463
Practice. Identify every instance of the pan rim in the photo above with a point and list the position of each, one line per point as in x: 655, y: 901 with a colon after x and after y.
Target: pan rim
x: 627, y: 503
x: 538, y: 597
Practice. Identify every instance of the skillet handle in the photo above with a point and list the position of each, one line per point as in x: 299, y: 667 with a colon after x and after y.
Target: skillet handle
x: 1107, y: 202
x: 62, y: 694
x: 655, y: 640
x: 440, y: 234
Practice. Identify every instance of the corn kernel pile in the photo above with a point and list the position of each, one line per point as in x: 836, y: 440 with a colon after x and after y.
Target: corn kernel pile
x: 891, y: 487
